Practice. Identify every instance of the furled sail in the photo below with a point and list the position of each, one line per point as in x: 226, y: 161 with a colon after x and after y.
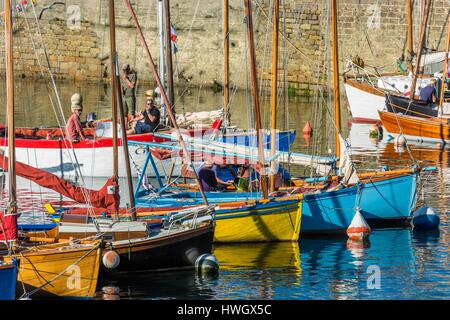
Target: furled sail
x: 8, y: 227
x: 106, y: 198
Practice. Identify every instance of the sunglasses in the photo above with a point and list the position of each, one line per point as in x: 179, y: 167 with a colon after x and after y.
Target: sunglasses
x: 149, y: 102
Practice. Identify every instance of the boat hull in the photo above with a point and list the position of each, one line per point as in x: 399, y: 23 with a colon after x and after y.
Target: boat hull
x: 239, y: 217
x: 93, y: 161
x: 384, y: 202
x: 404, y: 105
x: 8, y: 280
x: 74, y: 272
x: 263, y: 222
x: 419, y: 129
x: 93, y: 158
x: 364, y: 101
x: 171, y: 251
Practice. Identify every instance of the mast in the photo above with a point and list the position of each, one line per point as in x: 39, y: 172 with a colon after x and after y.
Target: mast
x: 423, y: 29
x: 444, y: 72
x: 255, y: 93
x: 117, y: 100
x: 164, y: 95
x: 161, y: 52
x: 410, y: 33
x: 169, y: 53
x: 12, y: 205
x: 337, y: 97
x: 112, y: 39
x: 276, y: 5
x: 126, y: 153
x: 226, y: 57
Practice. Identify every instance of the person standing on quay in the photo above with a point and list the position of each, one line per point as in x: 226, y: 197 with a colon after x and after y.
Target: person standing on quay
x: 129, y: 90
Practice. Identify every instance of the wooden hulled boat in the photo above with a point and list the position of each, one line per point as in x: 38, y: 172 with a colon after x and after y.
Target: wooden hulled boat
x: 365, y: 99
x: 166, y: 250
x: 64, y: 269
x: 323, y: 210
x: 420, y: 129
x: 260, y: 221
x: 8, y: 280
x: 406, y: 106
x: 54, y: 154
x: 170, y: 244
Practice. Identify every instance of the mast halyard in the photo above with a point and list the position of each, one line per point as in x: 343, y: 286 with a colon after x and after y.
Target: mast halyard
x: 255, y: 94
x: 226, y: 57
x: 423, y: 28
x: 112, y: 39
x: 168, y: 47
x: 410, y: 34
x: 12, y: 203
x: 162, y: 73
x: 117, y: 102
x: 274, y: 96
x: 337, y: 97
x: 444, y: 71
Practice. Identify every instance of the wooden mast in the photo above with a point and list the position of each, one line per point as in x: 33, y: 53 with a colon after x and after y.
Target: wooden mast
x: 12, y: 205
x: 255, y: 93
x: 444, y: 71
x: 164, y: 95
x: 410, y: 33
x: 117, y: 101
x: 423, y: 29
x: 168, y: 41
x: 226, y: 57
x: 337, y: 98
x: 112, y: 39
x: 276, y: 6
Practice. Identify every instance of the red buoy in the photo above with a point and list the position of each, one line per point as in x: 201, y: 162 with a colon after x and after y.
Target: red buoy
x: 307, y: 129
x: 358, y: 230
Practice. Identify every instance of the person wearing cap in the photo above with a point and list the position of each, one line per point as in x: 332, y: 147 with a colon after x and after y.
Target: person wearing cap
x: 129, y: 90
x: 149, y: 119
x: 74, y: 128
x: 429, y: 93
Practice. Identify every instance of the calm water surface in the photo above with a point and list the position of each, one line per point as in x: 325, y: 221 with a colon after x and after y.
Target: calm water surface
x: 412, y: 265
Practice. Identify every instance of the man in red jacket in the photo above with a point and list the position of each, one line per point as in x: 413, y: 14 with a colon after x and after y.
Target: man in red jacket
x: 74, y: 129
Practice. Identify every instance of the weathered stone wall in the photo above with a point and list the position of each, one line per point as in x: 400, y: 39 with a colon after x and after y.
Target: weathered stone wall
x: 376, y: 31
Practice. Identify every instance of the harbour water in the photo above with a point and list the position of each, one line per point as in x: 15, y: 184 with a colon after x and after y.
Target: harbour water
x: 398, y: 263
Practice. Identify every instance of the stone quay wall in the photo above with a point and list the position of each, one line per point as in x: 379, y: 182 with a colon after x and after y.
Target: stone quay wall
x: 76, y: 36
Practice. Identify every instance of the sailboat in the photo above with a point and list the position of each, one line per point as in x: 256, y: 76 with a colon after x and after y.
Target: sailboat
x: 327, y: 207
x: 366, y: 93
x: 432, y: 126
x: 67, y: 269
x: 132, y: 245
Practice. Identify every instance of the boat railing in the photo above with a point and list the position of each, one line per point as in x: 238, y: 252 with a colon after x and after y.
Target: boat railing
x: 191, y: 217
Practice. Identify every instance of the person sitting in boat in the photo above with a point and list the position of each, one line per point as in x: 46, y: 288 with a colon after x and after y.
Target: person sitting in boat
x: 225, y: 174
x: 74, y: 128
x: 428, y: 93
x: 207, y: 177
x: 148, y: 120
x: 242, y: 182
